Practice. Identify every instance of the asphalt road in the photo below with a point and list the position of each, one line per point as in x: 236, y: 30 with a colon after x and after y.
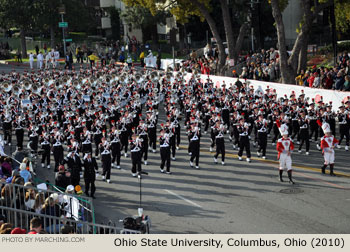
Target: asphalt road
x: 239, y: 197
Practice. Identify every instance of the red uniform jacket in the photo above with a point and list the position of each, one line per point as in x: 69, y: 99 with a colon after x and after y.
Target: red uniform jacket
x: 327, y: 142
x: 284, y: 144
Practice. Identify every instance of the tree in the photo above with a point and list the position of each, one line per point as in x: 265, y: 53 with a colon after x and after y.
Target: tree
x: 20, y: 14
x: 342, y: 13
x: 115, y: 22
x: 203, y: 8
x: 141, y: 18
x: 183, y: 9
x: 290, y: 64
x: 77, y: 15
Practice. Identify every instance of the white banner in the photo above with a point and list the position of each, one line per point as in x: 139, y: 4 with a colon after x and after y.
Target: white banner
x: 151, y: 61
x: 336, y: 97
x: 169, y: 63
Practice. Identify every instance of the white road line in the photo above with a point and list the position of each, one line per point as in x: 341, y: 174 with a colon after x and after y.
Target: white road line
x: 180, y: 197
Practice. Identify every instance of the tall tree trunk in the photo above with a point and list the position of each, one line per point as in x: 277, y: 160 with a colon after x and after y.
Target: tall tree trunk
x: 297, y: 59
x: 286, y: 70
x: 52, y: 36
x: 228, y: 28
x: 23, y: 43
x: 239, y: 41
x: 302, y: 37
x: 215, y: 32
x: 302, y: 63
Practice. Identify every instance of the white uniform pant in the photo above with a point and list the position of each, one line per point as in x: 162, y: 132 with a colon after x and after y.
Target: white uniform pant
x: 39, y: 64
x: 31, y: 63
x: 285, y: 162
x: 328, y: 157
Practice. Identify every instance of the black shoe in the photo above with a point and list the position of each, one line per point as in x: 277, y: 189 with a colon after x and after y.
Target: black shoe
x: 281, y: 180
x: 93, y: 197
x: 87, y: 194
x: 332, y: 174
x: 291, y: 182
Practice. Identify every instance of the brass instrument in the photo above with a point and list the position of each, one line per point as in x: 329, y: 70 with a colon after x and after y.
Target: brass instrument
x: 154, y: 76
x: 108, y: 78
x: 16, y: 90
x: 169, y: 77
x: 36, y: 89
x: 7, y: 87
x: 76, y: 84
x: 138, y: 78
x: 27, y: 85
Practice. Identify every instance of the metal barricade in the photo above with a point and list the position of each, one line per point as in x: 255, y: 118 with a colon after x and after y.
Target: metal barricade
x: 52, y: 224
x: 13, y: 196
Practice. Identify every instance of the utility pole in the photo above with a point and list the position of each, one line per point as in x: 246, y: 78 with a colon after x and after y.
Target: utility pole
x: 62, y: 11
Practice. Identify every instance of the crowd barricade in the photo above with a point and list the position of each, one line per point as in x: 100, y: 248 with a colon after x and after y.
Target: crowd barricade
x: 53, y: 224
x: 13, y: 203
x: 328, y: 96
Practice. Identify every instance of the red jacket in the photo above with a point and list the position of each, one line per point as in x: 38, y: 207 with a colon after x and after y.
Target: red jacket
x: 310, y: 80
x: 284, y: 144
x: 327, y: 142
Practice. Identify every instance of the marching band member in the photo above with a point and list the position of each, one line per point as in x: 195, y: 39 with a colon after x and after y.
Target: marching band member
x: 7, y: 127
x: 164, y: 143
x: 244, y: 142
x: 105, y: 148
x: 136, y: 154
x: 33, y: 139
x: 262, y: 127
x: 124, y: 135
x: 74, y: 165
x: 219, y: 131
x: 285, y: 148
x: 152, y: 129
x: 85, y: 138
x: 328, y: 143
x: 46, y: 147
x: 115, y: 146
x: 19, y: 125
x: 344, y: 121
x: 97, y: 131
x: 194, y: 136
x: 90, y: 169
x: 57, y: 142
x: 142, y: 131
x: 304, y: 131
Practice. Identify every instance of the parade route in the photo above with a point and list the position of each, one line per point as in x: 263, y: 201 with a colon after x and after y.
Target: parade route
x: 239, y: 197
